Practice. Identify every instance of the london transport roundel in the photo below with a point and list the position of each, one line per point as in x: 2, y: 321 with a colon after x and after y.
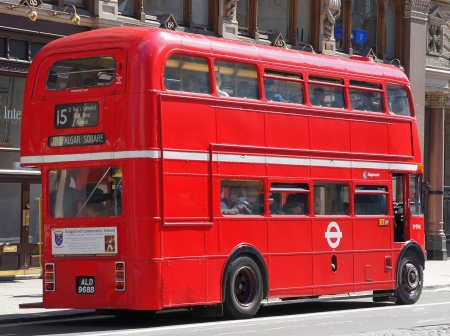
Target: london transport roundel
x: 333, y: 234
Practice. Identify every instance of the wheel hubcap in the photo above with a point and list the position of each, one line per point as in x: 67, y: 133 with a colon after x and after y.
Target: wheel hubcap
x: 245, y: 286
x: 410, y: 276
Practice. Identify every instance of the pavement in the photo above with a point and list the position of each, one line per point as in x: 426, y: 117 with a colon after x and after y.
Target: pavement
x: 18, y: 291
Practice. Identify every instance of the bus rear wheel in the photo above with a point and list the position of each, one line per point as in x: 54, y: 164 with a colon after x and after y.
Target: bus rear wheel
x: 409, y: 279
x: 244, y: 289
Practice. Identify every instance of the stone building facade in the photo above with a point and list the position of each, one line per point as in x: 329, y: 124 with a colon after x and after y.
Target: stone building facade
x: 391, y: 31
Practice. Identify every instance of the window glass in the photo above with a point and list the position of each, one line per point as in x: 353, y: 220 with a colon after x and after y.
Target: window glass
x: 189, y: 74
x: 18, y: 49
x: 325, y: 95
x: 331, y: 198
x: 242, y: 14
x: 82, y: 73
x: 273, y: 16
x: 363, y: 100
x: 11, y: 212
x: 11, y: 99
x: 158, y: 7
x: 339, y: 28
x: 241, y: 197
x: 33, y: 228
x: 288, y: 199
x: 283, y: 87
x: 398, y: 100
x: 200, y: 12
x: 34, y: 48
x: 236, y: 80
x: 415, y: 194
x: 364, y: 25
x: 370, y: 200
x: 3, y: 47
x: 85, y: 192
x: 126, y: 7
x: 390, y: 29
x: 303, y: 20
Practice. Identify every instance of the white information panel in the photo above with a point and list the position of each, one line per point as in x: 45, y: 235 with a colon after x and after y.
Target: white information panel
x: 93, y: 241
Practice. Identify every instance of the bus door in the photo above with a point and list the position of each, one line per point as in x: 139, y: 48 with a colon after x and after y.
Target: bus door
x: 19, y: 225
x: 407, y: 207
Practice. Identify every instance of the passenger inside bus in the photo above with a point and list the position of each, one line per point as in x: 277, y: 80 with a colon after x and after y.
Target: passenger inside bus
x: 238, y: 203
x: 371, y: 103
x: 189, y: 83
x: 96, y: 210
x: 271, y: 89
x: 293, y: 208
x: 245, y: 90
x: 297, y: 97
x: 218, y: 85
x: 338, y: 98
x: 318, y: 97
x: 52, y: 82
x: 357, y: 103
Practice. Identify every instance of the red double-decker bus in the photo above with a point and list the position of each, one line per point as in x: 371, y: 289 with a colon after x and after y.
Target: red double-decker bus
x: 182, y: 170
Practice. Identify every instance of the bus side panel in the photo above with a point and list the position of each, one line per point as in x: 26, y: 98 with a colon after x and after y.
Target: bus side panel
x: 329, y: 134
x: 240, y: 128
x: 290, y: 262
x: 333, y: 250
x: 373, y: 139
x: 184, y: 281
x: 287, y: 131
x: 400, y: 138
x: 186, y: 124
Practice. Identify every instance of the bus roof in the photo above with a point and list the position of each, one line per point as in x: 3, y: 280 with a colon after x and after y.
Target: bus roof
x: 161, y: 41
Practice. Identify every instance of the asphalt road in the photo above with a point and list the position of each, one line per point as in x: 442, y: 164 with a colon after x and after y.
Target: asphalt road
x: 430, y: 316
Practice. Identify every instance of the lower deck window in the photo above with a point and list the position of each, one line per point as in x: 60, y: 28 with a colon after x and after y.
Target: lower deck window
x: 241, y: 197
x: 289, y: 199
x: 331, y: 198
x: 370, y: 200
x: 85, y: 192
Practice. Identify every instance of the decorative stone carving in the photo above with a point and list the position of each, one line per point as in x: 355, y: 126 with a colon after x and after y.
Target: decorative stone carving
x: 434, y: 39
x: 437, y: 62
x: 14, y: 67
x: 331, y: 9
x: 417, y: 9
x: 230, y: 9
x: 437, y: 99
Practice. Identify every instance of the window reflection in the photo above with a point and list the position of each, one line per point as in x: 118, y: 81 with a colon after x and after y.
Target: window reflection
x: 273, y: 16
x: 364, y: 25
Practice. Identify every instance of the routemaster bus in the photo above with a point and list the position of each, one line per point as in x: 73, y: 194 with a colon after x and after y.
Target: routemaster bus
x: 182, y: 170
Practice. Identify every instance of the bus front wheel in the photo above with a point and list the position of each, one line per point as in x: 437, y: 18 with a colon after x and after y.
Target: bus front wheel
x: 244, y: 289
x: 409, y: 279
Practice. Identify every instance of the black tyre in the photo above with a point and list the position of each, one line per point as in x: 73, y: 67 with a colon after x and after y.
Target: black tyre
x: 409, y: 278
x: 243, y: 289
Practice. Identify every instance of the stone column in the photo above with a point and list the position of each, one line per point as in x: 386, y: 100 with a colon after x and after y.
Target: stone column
x: 228, y: 25
x: 331, y: 9
x: 435, y: 241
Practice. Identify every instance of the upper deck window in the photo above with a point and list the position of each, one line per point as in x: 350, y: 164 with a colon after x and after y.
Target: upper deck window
x: 398, y: 100
x: 283, y: 87
x: 236, y: 80
x: 185, y: 73
x: 326, y: 91
x: 81, y: 73
x: 366, y: 96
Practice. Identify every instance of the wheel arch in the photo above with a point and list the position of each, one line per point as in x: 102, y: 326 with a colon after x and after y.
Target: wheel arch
x: 414, y: 246
x: 252, y: 252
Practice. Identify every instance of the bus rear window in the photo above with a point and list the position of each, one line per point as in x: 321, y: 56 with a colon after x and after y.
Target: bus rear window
x: 85, y: 192
x: 81, y: 73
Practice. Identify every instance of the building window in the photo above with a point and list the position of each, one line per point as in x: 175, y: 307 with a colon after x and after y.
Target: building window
x: 243, y: 15
x: 11, y: 96
x: 200, y: 12
x: 390, y: 29
x: 273, y: 16
x: 364, y: 26
x: 159, y: 7
x: 303, y: 15
x: 126, y: 7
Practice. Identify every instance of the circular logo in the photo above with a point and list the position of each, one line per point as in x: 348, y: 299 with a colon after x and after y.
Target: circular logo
x: 333, y: 236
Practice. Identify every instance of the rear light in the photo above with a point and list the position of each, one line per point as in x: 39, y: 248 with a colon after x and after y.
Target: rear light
x: 120, y: 276
x: 49, y: 276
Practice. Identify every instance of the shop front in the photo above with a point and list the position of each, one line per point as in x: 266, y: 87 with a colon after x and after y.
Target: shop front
x: 20, y: 189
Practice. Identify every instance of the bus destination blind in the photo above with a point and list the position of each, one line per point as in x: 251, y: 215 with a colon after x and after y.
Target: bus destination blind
x: 76, y: 115
x: 77, y: 140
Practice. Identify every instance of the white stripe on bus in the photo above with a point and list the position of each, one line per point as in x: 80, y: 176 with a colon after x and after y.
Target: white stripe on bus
x: 204, y: 156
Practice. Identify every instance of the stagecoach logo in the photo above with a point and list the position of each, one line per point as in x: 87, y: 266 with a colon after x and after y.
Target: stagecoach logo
x: 59, y: 237
x: 333, y: 236
x: 367, y: 174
